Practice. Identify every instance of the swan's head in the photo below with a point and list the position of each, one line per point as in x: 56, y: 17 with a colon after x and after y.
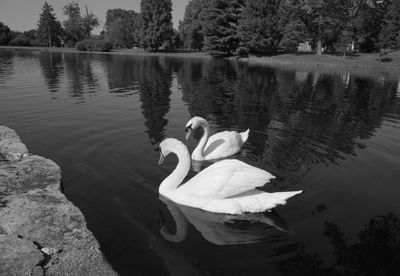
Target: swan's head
x: 170, y: 145
x: 194, y: 123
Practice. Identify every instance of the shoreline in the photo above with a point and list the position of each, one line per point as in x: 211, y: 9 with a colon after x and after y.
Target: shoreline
x: 129, y: 52
x: 365, y: 62
x: 41, y: 231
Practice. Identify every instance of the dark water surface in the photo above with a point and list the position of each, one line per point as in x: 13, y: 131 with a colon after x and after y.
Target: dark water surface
x: 335, y: 136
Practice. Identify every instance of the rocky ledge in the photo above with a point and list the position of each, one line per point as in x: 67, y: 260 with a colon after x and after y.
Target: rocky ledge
x: 41, y: 232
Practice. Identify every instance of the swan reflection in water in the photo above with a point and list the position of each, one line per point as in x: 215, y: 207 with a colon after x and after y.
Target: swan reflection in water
x: 221, y: 229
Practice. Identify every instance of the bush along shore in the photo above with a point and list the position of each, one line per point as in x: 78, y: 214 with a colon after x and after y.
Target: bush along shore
x: 41, y: 232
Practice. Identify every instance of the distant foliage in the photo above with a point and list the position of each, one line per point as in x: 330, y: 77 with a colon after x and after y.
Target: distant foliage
x: 176, y: 41
x: 122, y: 27
x: 291, y: 25
x: 5, y: 34
x: 258, y: 28
x: 49, y: 31
x: 220, y: 31
x: 368, y: 25
x: 390, y: 33
x: 78, y: 27
x: 191, y: 27
x: 94, y: 45
x: 156, y: 23
x: 226, y: 27
x: 20, y: 40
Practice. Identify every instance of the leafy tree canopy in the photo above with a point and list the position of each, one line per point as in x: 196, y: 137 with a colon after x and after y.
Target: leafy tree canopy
x: 192, y: 25
x: 220, y: 32
x: 76, y: 26
x: 5, y: 34
x: 156, y: 23
x: 258, y: 25
x: 122, y: 27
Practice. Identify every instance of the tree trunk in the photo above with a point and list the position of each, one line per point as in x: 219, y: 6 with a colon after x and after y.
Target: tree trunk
x: 319, y: 47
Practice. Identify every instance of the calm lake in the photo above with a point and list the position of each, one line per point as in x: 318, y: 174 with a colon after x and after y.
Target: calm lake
x: 336, y: 136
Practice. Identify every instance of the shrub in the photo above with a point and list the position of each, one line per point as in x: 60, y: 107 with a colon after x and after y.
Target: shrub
x: 242, y: 51
x: 103, y: 45
x: 99, y: 45
x: 38, y: 43
x: 70, y: 44
x: 20, y: 40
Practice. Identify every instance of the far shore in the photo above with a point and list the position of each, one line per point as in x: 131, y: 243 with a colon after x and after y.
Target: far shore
x: 133, y: 52
x: 363, y: 62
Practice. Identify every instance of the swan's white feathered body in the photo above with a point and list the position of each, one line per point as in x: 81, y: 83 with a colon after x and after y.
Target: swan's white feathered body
x: 219, y: 145
x: 226, y: 186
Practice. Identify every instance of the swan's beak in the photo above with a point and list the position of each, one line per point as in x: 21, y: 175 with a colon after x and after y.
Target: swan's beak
x: 161, y: 159
x: 188, y: 132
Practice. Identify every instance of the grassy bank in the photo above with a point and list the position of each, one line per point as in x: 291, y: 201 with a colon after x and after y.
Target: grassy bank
x: 363, y: 62
x: 391, y: 60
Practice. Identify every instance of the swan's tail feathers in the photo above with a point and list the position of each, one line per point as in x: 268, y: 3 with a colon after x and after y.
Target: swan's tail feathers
x: 283, y: 196
x: 245, y: 135
x: 258, y: 201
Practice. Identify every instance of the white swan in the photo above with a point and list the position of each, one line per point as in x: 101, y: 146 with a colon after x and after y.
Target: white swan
x: 227, y: 186
x: 219, y: 145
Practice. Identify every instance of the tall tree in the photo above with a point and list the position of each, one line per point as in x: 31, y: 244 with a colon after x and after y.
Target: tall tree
x: 49, y: 29
x: 5, y: 34
x: 368, y: 24
x: 291, y: 25
x: 76, y: 26
x: 349, y: 24
x: 390, y: 33
x: 323, y: 20
x: 122, y: 27
x: 220, y: 32
x: 191, y: 27
x: 258, y: 26
x: 73, y: 25
x: 156, y: 23
x: 89, y: 22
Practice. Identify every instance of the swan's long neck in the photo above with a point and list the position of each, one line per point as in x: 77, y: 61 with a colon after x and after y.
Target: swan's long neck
x: 176, y: 177
x: 199, y: 150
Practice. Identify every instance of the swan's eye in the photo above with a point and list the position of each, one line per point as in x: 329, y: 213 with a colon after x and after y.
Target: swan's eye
x: 188, y: 128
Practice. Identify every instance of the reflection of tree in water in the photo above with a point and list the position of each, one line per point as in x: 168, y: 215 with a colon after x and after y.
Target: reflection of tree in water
x: 296, y: 122
x: 376, y: 253
x: 80, y: 74
x: 7, y: 65
x: 151, y: 78
x: 52, y: 69
x: 207, y: 88
x: 122, y: 75
x: 323, y: 121
x: 155, y: 82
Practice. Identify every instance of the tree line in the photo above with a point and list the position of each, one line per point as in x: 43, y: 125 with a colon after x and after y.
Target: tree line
x: 151, y: 28
x: 50, y: 32
x: 229, y: 27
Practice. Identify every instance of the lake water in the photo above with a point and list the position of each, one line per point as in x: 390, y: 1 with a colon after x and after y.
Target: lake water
x: 334, y: 135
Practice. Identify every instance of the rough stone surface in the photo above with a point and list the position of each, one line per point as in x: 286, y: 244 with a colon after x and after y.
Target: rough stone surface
x: 41, y: 232
x: 18, y: 256
x: 11, y: 146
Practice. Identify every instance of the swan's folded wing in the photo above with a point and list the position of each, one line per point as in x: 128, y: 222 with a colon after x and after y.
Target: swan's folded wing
x: 244, y: 178
x: 226, y: 178
x: 223, y: 143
